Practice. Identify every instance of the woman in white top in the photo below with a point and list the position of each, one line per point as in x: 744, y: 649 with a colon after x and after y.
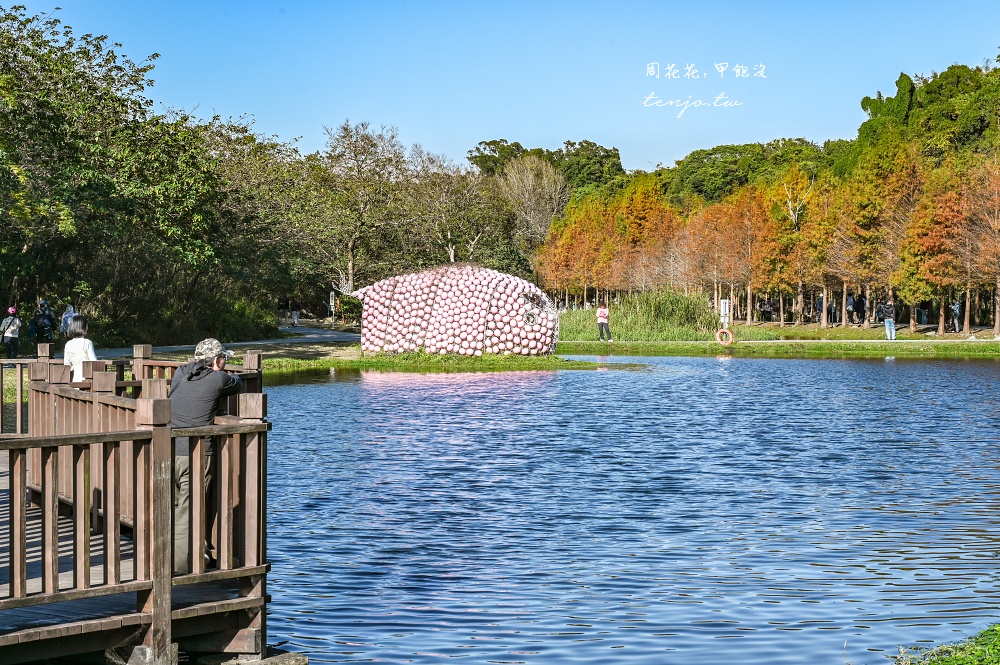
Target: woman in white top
x: 78, y: 348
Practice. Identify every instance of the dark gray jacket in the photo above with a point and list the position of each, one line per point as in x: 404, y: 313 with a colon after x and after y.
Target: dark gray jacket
x: 194, y: 395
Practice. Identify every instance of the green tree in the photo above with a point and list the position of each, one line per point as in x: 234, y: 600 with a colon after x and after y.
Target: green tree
x: 361, y: 173
x: 490, y: 157
x: 946, y: 115
x: 929, y: 262
x: 450, y: 207
x: 886, y: 113
x: 587, y: 163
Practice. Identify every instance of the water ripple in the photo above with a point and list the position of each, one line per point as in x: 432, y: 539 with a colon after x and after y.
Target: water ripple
x: 702, y: 510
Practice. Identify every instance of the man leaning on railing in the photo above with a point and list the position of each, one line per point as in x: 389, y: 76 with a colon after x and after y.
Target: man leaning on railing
x: 195, y: 391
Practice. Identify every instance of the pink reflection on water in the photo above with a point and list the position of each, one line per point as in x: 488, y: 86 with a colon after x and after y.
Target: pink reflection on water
x: 456, y: 380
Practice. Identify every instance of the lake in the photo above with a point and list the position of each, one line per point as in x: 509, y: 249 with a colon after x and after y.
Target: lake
x: 709, y: 510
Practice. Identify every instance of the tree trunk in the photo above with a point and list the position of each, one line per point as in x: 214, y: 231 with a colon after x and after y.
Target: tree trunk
x: 941, y: 314
x: 996, y: 309
x: 913, y: 318
x: 350, y: 265
x: 749, y: 304
x: 967, y: 323
x: 781, y: 309
x: 800, y: 304
x: 823, y: 320
x: 868, y: 304
x: 843, y: 306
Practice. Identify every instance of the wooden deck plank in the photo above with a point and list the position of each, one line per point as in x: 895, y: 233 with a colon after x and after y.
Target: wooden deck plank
x: 189, y: 601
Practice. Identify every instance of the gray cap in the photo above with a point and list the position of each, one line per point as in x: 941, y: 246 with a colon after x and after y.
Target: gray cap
x: 210, y: 348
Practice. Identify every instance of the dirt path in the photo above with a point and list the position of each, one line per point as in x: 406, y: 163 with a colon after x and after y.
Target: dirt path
x: 310, y: 342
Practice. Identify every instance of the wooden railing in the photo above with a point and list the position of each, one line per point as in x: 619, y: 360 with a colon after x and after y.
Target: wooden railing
x: 104, y: 462
x: 97, y: 404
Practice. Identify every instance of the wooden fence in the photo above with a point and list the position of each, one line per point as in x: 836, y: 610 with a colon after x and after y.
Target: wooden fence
x: 96, y: 467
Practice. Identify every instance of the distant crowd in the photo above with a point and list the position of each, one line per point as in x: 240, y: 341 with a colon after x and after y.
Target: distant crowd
x: 42, y: 326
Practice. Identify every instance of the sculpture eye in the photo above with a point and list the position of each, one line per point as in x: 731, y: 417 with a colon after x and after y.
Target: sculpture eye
x: 534, y: 299
x: 530, y: 318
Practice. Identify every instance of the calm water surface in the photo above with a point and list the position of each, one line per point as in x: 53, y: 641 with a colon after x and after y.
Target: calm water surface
x: 700, y: 510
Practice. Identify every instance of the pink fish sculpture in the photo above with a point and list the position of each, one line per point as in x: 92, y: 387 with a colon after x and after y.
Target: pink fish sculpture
x: 465, y: 310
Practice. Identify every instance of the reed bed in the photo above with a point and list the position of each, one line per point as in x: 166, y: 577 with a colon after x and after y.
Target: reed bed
x: 652, y: 316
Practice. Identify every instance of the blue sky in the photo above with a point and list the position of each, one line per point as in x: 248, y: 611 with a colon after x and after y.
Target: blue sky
x: 450, y: 74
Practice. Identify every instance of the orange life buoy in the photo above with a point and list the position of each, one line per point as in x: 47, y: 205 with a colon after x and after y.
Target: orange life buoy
x: 724, y: 336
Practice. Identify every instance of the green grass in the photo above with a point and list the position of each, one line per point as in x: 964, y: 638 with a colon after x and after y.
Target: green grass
x: 981, y: 649
x: 874, y: 332
x: 800, y: 349
x: 426, y: 362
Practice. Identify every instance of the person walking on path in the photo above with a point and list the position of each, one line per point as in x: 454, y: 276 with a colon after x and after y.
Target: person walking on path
x: 296, y: 311
x: 283, y: 311
x: 889, y: 316
x: 11, y: 328
x: 602, y: 321
x: 78, y: 348
x: 195, y: 391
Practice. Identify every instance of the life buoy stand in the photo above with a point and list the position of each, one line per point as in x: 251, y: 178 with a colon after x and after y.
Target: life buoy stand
x: 724, y: 336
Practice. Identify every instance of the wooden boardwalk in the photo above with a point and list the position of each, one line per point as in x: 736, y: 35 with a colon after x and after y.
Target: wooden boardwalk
x: 85, y: 521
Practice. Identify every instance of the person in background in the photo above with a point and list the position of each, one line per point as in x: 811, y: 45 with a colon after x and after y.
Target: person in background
x: 850, y: 309
x: 296, y: 311
x: 67, y: 317
x: 78, y: 348
x: 283, y: 310
x: 602, y: 321
x: 956, y: 312
x: 10, y: 328
x: 43, y: 322
x: 195, y: 391
x: 889, y: 316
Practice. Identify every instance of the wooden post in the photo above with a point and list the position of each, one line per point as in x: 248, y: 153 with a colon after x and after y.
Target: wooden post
x: 199, y: 512
x: 253, y: 407
x: 112, y: 512
x: 251, y: 360
x: 44, y: 352
x: 18, y: 523
x: 92, y: 366
x: 154, y: 414
x: 60, y: 374
x: 81, y: 517
x: 252, y: 363
x: 140, y: 353
x: 155, y: 388
x: 19, y: 424
x: 102, y: 383
x: 50, y: 519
